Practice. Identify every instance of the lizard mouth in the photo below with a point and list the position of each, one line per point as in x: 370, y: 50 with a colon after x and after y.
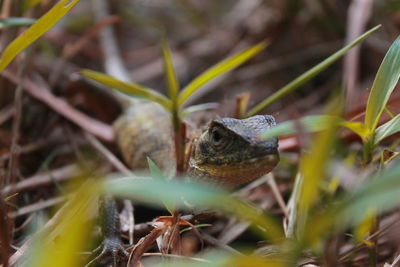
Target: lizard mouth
x: 240, y: 172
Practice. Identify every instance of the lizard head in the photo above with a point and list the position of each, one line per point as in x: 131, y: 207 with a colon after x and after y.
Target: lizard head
x: 231, y: 152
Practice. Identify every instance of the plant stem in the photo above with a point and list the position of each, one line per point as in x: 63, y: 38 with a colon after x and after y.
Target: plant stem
x: 367, y: 152
x: 373, y: 248
x: 179, y: 138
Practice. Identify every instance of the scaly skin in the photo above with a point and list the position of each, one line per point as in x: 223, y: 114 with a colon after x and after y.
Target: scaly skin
x: 227, y: 153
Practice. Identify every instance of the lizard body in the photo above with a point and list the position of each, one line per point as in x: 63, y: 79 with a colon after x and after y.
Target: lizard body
x: 227, y: 152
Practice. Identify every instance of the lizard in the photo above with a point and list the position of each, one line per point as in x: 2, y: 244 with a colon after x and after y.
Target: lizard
x: 228, y: 153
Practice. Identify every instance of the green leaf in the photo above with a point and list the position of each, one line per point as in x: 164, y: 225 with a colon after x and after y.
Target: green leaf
x: 199, y: 107
x: 131, y: 89
x: 172, y: 81
x: 15, y: 22
x: 357, y: 127
x: 219, y: 69
x: 313, y: 167
x: 157, y: 174
x: 305, y: 77
x: 42, y: 25
x: 312, y: 124
x: 27, y: 4
x: 387, y: 129
x: 58, y: 245
x: 198, y: 194
x: 380, y: 193
x: 307, y: 124
x: 383, y: 86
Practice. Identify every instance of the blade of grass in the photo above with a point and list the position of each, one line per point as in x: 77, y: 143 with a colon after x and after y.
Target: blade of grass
x: 42, y: 25
x: 313, y: 124
x: 15, y: 22
x: 219, y: 69
x: 201, y: 195
x: 379, y: 193
x: 313, y: 168
x: 157, y: 174
x: 131, y: 89
x: 199, y: 107
x: 387, y: 129
x: 26, y: 4
x: 172, y: 81
x: 60, y: 246
x: 305, y: 77
x: 383, y: 86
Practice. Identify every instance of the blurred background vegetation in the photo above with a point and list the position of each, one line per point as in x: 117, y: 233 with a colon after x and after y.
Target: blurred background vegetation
x: 53, y: 123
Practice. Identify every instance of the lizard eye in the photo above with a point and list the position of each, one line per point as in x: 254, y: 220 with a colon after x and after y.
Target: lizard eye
x: 216, y: 136
x: 218, y: 139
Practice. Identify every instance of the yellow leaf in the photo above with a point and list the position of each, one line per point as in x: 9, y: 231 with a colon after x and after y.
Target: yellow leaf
x: 27, y: 4
x: 172, y: 81
x: 41, y: 26
x: 365, y: 226
x: 357, y: 127
x: 132, y: 89
x: 219, y: 69
x: 60, y: 246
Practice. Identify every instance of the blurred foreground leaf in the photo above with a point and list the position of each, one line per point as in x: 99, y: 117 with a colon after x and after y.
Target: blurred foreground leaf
x: 15, y: 22
x: 42, y: 25
x: 313, y: 168
x: 380, y: 194
x: 199, y: 107
x: 60, y: 245
x: 200, y: 195
x: 156, y: 174
x: 312, y: 124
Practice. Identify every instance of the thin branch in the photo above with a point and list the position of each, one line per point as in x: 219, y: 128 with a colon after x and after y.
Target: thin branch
x: 358, y: 16
x: 108, y: 155
x: 42, y: 179
x: 36, y: 207
x: 95, y: 127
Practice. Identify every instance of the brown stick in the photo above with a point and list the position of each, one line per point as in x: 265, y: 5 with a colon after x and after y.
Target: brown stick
x: 95, y: 127
x: 36, y: 207
x: 59, y: 175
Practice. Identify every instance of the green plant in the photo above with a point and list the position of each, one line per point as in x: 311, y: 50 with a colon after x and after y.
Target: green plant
x: 383, y: 86
x: 41, y: 26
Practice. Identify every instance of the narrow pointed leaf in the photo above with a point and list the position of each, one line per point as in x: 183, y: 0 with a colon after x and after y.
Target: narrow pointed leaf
x: 198, y: 194
x: 307, y: 124
x: 60, y: 245
x: 41, y: 26
x: 387, y: 129
x: 199, y: 107
x: 313, y: 169
x: 379, y: 193
x: 15, y: 22
x: 219, y: 69
x: 172, y: 81
x: 305, y: 77
x: 131, y: 89
x: 383, y: 86
x: 312, y: 124
x: 157, y: 174
x: 357, y: 127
